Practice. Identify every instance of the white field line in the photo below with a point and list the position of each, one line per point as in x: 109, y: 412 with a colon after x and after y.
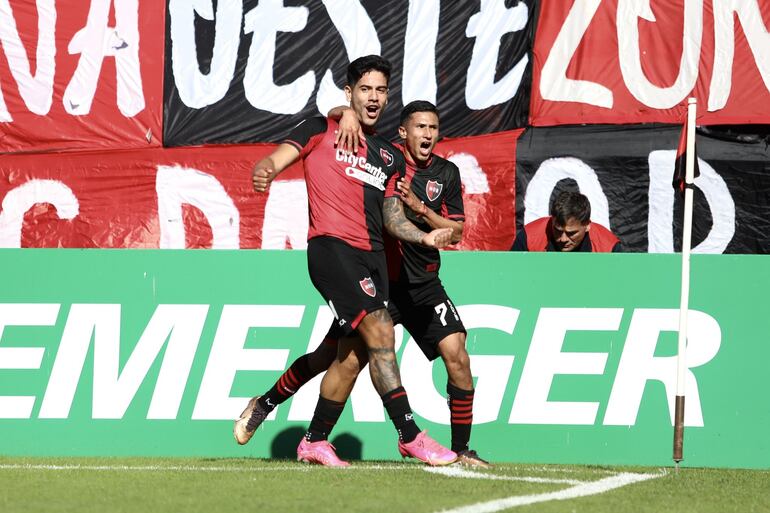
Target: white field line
x: 468, y: 474
x: 581, y: 490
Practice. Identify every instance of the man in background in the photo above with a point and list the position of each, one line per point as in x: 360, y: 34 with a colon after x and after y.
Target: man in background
x: 568, y: 228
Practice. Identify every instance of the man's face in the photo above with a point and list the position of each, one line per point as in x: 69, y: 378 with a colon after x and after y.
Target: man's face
x: 420, y: 134
x: 368, y: 97
x: 569, y: 236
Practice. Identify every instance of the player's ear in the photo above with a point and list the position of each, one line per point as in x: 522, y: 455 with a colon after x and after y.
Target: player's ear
x: 402, y: 132
x: 348, y: 93
x: 588, y: 226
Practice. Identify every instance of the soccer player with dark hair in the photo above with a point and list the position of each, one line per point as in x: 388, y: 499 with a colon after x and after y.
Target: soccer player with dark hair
x: 351, y: 197
x: 568, y: 228
x: 432, y: 191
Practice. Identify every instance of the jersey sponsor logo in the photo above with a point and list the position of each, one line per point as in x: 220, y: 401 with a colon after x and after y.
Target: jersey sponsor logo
x: 367, y: 285
x: 362, y: 170
x: 433, y: 189
x: 387, y: 157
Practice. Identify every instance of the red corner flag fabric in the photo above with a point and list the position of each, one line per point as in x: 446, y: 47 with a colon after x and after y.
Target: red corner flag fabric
x: 681, y: 160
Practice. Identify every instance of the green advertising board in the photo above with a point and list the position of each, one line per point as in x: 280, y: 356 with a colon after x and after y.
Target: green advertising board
x: 111, y: 352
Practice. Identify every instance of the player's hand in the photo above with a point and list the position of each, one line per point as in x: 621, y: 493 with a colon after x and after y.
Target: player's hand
x: 349, y: 134
x: 261, y: 177
x: 409, y: 198
x: 438, y: 239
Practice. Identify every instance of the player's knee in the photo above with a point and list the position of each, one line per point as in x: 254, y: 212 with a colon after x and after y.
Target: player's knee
x: 350, y: 366
x: 322, y: 357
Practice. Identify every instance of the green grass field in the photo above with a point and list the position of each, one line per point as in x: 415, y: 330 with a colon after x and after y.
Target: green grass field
x: 205, y: 485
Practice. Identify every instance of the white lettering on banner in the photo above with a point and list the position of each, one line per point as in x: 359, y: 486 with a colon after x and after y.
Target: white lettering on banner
x: 197, y: 90
x: 537, y: 198
x: 554, y: 84
x: 37, y: 90
x: 286, y: 216
x: 473, y: 178
x: 176, y: 330
x: 176, y: 186
x: 545, y: 360
x: 264, y: 22
x: 488, y: 26
x: 229, y: 356
x: 638, y: 364
x: 21, y: 314
x: 660, y: 231
x: 629, y: 53
x: 359, y: 37
x: 492, y: 371
x: 96, y: 41
x: 419, y: 78
x: 20, y: 199
x: 113, y: 390
x: 757, y: 36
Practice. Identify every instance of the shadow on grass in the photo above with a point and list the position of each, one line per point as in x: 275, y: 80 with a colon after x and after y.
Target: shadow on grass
x: 284, y: 446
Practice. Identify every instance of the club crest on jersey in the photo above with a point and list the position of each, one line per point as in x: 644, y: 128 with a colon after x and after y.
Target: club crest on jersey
x: 367, y: 285
x: 387, y: 157
x: 433, y: 189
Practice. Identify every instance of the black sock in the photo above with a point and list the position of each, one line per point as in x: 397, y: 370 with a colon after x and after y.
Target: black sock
x: 397, y: 404
x: 326, y: 415
x: 461, y: 412
x: 289, y: 383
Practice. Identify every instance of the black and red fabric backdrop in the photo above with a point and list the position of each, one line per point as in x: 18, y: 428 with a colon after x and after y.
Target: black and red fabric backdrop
x: 111, y: 101
x: 248, y: 71
x: 626, y: 171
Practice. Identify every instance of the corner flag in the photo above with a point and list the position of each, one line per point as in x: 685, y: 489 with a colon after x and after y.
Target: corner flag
x: 679, y: 181
x: 685, y: 170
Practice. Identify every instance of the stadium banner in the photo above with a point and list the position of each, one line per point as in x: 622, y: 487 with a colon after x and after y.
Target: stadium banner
x: 625, y: 62
x: 85, y: 74
x: 248, y: 71
x: 627, y: 174
x: 203, y: 198
x: 152, y: 352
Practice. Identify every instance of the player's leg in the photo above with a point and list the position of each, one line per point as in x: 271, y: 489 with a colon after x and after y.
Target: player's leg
x: 376, y: 330
x: 460, y: 393
x: 335, y: 388
x: 432, y: 319
x: 302, y: 370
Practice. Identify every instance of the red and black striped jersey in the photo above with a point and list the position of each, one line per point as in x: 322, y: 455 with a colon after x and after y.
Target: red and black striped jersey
x: 346, y: 191
x: 439, y: 186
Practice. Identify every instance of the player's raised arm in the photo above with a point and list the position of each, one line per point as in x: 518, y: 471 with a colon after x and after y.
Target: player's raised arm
x: 271, y: 166
x: 402, y: 228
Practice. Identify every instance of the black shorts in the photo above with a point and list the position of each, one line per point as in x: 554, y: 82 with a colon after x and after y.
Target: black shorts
x: 426, y: 312
x: 352, y: 281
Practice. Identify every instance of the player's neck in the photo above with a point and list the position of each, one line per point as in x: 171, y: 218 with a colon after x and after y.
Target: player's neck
x: 418, y: 164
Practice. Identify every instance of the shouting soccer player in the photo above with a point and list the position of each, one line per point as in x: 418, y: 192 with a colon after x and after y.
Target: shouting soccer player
x: 351, y: 196
x: 417, y: 297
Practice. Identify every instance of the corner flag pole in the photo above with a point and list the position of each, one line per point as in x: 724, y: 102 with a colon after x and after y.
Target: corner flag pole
x: 685, y: 296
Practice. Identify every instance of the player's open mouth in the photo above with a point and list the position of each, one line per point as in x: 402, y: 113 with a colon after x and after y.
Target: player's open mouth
x: 372, y: 111
x: 425, y: 147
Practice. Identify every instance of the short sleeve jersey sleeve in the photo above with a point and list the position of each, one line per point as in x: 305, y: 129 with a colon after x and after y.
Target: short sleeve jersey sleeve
x: 307, y: 134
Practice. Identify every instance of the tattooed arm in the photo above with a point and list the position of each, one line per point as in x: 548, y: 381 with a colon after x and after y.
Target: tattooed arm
x: 402, y: 228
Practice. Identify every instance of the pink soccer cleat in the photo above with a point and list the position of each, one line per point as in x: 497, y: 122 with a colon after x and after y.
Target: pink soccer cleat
x: 321, y: 453
x: 427, y: 450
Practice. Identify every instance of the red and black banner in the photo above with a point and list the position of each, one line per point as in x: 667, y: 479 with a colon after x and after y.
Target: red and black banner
x: 615, y: 61
x: 80, y: 75
x: 202, y: 198
x: 248, y: 71
x: 626, y: 173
